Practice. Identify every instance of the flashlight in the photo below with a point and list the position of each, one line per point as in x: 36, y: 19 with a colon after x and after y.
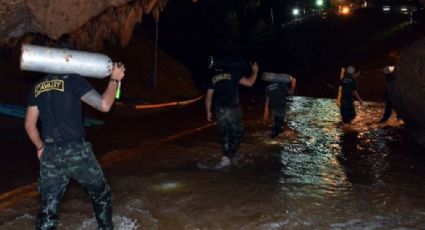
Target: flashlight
x: 118, y: 93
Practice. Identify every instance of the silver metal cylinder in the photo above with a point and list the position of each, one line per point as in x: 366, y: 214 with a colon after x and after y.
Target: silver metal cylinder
x: 276, y: 77
x: 65, y: 61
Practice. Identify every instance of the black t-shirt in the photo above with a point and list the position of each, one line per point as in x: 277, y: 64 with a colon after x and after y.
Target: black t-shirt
x: 277, y: 93
x: 348, y: 84
x: 58, y: 98
x: 225, y: 87
x: 389, y: 77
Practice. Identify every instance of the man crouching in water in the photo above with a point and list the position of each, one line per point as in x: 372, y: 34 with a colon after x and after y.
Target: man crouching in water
x: 224, y: 86
x: 61, y: 148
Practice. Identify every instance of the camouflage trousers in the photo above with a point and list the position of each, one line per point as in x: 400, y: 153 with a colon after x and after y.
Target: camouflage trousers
x: 230, y: 127
x: 278, y: 118
x: 58, y: 164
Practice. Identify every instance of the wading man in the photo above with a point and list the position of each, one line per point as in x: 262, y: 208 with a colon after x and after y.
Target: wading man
x: 389, y: 79
x: 224, y: 88
x: 62, y: 151
x: 276, y: 94
x: 349, y: 91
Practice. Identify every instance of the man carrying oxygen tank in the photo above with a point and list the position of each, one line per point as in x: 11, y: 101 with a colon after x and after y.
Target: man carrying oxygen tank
x: 224, y: 86
x: 276, y: 92
x: 56, y: 100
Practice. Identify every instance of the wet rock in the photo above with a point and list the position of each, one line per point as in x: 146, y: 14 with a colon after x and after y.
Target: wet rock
x: 88, y: 22
x: 115, y: 24
x: 407, y: 90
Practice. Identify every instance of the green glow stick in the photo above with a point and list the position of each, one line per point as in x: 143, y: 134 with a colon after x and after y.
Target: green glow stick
x: 118, y: 93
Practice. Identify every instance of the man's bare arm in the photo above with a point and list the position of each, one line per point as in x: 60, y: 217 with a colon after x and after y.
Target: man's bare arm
x: 357, y: 95
x: 251, y: 80
x: 266, y: 109
x: 95, y: 100
x: 293, y: 85
x: 208, y: 102
x: 104, y: 103
x: 31, y: 118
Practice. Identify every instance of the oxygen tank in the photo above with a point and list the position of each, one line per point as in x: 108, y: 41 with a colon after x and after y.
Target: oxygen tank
x: 229, y: 64
x: 65, y: 61
x: 276, y: 77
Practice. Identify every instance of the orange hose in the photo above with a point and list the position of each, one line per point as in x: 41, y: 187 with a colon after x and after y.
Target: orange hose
x: 169, y: 104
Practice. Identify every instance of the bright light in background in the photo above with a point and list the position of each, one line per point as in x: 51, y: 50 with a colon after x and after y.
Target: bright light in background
x: 295, y: 11
x: 345, y: 10
x: 386, y: 8
x: 319, y: 2
x: 403, y: 9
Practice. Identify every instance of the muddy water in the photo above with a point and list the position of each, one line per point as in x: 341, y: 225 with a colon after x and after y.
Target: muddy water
x: 317, y: 175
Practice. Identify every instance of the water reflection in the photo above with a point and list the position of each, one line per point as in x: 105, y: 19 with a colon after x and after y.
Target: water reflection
x: 317, y: 175
x: 311, y: 158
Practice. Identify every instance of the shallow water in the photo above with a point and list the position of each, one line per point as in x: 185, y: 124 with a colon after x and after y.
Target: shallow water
x: 317, y: 175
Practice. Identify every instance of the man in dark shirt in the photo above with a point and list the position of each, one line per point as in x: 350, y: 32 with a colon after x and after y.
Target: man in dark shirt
x: 276, y: 93
x: 224, y: 86
x: 61, y: 149
x: 349, y: 91
x: 389, y: 77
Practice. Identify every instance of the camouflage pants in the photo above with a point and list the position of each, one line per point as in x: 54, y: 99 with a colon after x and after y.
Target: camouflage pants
x: 230, y: 128
x: 278, y: 117
x: 60, y: 163
x: 388, y: 108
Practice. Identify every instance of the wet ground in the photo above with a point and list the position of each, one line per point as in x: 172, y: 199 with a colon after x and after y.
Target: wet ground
x: 317, y: 175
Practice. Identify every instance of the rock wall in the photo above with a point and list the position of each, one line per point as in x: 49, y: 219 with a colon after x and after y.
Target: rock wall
x: 408, y: 89
x: 87, y: 22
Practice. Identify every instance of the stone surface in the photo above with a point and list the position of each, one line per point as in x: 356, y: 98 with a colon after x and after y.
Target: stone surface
x: 408, y: 89
x: 88, y: 22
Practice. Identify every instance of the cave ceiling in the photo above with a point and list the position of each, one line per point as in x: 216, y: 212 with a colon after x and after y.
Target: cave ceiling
x: 87, y: 23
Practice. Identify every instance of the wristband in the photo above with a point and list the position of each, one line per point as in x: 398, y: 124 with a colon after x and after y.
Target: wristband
x: 42, y: 146
x: 114, y: 80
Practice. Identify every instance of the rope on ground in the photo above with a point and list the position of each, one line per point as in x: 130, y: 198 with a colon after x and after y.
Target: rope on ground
x: 170, y: 104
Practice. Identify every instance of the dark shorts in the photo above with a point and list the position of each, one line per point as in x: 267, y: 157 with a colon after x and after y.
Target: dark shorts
x: 348, y: 111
